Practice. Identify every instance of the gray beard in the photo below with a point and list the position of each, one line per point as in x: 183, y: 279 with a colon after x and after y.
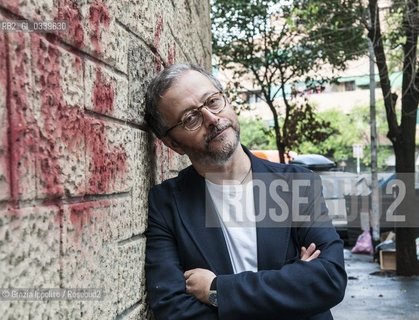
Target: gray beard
x: 214, y: 157
x: 219, y: 157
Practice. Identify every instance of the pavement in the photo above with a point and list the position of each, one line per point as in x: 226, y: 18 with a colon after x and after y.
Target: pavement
x: 372, y: 294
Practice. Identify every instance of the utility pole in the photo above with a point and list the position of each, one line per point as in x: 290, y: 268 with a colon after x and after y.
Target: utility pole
x: 375, y: 213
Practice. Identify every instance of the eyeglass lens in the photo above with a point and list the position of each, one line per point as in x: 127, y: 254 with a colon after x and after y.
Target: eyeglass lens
x: 193, y: 119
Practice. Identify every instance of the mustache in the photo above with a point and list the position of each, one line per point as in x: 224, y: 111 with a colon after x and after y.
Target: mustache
x: 216, y: 130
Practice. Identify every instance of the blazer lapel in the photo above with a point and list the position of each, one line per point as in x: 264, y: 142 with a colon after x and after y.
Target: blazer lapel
x: 272, y: 236
x: 201, y: 222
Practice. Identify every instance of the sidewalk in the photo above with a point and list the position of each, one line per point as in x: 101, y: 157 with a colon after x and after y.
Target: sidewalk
x: 376, y: 296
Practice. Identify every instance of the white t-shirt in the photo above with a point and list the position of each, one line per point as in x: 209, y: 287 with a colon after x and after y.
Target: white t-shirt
x: 235, y: 208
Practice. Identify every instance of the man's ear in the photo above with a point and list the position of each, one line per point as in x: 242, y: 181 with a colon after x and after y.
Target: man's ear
x: 172, y: 144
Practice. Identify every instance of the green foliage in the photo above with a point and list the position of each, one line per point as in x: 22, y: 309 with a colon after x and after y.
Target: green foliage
x: 275, y: 44
x: 350, y: 129
x: 304, y: 125
x: 329, y: 26
x: 395, y: 38
x: 256, y: 135
x: 280, y: 42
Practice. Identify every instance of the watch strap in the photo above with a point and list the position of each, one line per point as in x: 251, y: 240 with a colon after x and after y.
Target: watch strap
x: 213, y: 298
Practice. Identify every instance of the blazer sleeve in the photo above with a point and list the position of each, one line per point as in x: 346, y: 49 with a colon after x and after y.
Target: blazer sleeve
x: 298, y: 290
x: 164, y: 275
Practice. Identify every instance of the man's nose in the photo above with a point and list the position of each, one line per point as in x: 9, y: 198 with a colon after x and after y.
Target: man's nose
x: 209, y: 118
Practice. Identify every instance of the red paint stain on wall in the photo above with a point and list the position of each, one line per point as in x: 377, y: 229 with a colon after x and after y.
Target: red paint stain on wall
x: 12, y: 5
x: 108, y: 162
x: 65, y: 127
x: 23, y: 129
x: 70, y: 12
x: 158, y: 32
x: 79, y: 65
x: 47, y: 59
x: 3, y: 62
x: 98, y: 16
x: 89, y: 218
x: 171, y: 56
x: 4, y: 141
x: 103, y: 94
x: 62, y: 124
x: 157, y: 37
x: 80, y: 215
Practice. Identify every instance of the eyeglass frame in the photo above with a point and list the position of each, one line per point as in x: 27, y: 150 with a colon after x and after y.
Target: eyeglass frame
x: 181, y: 122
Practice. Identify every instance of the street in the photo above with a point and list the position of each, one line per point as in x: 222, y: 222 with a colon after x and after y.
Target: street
x: 372, y: 294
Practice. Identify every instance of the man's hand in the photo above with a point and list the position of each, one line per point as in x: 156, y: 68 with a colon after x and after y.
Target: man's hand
x: 310, y: 253
x: 198, y: 282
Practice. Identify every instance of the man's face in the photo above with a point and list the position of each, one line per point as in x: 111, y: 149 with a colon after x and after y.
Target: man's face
x: 217, y: 138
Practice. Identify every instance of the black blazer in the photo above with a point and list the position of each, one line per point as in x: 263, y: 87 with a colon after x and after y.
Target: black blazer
x: 179, y: 239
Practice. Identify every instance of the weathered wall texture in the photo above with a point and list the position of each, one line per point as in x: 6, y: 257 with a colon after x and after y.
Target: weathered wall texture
x: 76, y: 161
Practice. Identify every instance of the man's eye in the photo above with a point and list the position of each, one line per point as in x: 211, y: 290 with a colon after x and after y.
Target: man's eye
x: 190, y: 118
x: 214, y: 102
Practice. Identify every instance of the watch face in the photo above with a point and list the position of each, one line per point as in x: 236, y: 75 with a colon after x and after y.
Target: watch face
x: 212, y: 298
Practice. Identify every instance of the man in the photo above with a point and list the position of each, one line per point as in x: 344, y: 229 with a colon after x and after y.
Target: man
x: 211, y: 256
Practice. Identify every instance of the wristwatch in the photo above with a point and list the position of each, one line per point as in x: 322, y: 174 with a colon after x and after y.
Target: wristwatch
x: 212, y: 298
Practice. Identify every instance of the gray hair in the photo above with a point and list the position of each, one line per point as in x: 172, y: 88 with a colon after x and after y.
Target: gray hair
x: 158, y: 87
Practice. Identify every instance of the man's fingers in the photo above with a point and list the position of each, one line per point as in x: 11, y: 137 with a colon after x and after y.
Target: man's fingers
x: 189, y: 285
x: 315, y: 255
x: 310, y: 253
x: 188, y: 273
x: 306, y: 253
x: 311, y: 248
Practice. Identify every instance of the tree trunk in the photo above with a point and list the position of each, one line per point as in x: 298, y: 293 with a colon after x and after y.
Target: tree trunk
x: 279, y: 143
x: 281, y: 150
x: 278, y: 137
x: 407, y: 262
x: 403, y: 136
x: 374, y: 33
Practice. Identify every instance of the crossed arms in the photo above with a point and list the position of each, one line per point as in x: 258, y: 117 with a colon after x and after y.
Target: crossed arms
x: 198, y: 280
x: 299, y: 289
x: 179, y: 272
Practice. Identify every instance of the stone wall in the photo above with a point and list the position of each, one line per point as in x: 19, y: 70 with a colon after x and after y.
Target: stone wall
x: 76, y: 160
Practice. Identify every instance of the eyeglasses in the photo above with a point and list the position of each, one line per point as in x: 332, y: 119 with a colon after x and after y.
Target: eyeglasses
x: 192, y: 119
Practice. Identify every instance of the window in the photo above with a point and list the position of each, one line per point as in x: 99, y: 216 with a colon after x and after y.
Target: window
x: 253, y: 97
x: 349, y: 85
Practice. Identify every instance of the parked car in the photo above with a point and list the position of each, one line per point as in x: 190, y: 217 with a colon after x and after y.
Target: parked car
x: 390, y: 197
x: 347, y: 198
x: 348, y: 195
x: 359, y: 206
x: 340, y: 190
x: 315, y: 162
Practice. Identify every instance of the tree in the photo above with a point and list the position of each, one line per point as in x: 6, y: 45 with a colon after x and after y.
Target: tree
x: 350, y: 129
x: 256, y: 135
x: 266, y: 42
x: 402, y: 135
x: 400, y: 40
